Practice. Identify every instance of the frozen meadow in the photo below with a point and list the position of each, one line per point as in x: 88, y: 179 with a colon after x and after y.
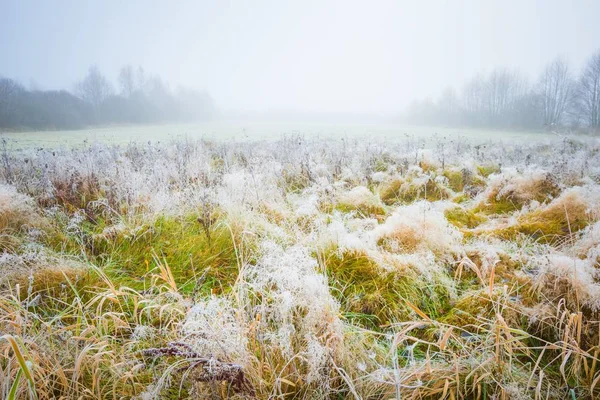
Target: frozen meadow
x: 371, y: 263
x: 248, y: 130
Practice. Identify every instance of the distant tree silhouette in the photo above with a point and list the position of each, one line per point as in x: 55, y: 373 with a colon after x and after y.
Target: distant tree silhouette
x: 588, y: 92
x: 94, y: 88
x: 141, y: 100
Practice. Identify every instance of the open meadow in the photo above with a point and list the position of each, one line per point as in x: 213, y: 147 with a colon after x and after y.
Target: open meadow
x: 245, y: 131
x: 326, y: 263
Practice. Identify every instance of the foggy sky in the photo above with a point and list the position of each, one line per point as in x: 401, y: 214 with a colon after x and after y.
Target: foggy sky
x: 309, y: 56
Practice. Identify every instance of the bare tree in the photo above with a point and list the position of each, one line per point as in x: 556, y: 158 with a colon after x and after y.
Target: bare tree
x: 555, y: 89
x: 473, y: 99
x: 94, y: 88
x: 449, y: 106
x: 140, y: 79
x: 133, y: 80
x: 9, y: 91
x: 494, y: 100
x: 504, y: 90
x: 8, y: 87
x: 127, y: 81
x: 588, y: 92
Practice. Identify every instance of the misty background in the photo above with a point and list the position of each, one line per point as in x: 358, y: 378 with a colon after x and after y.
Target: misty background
x: 509, y: 64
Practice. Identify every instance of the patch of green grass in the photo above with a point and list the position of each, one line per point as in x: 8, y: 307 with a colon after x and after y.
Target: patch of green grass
x: 403, y: 192
x: 455, y: 180
x: 59, y: 282
x: 431, y: 191
x: 366, y: 210
x: 373, y: 297
x: 388, y: 191
x: 496, y: 206
x: 487, y: 170
x: 380, y: 163
x: 181, y: 243
x: 552, y: 224
x: 464, y: 218
x: 460, y: 198
x: 294, y: 182
x: 541, y: 191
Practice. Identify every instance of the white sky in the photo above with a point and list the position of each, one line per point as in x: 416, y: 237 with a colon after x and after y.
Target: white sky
x: 310, y: 56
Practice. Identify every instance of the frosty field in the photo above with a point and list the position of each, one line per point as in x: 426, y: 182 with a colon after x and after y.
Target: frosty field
x: 253, y: 131
x: 177, y: 262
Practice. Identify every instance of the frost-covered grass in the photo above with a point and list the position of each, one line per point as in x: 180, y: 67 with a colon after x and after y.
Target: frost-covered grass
x: 248, y: 130
x: 301, y: 268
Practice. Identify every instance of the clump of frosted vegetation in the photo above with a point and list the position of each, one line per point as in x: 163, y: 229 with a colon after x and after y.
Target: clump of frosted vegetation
x: 211, y: 327
x: 295, y: 298
x: 519, y: 188
x: 17, y: 209
x: 578, y: 278
x: 418, y: 227
x: 302, y: 268
x: 361, y: 200
x: 359, y: 196
x: 588, y: 244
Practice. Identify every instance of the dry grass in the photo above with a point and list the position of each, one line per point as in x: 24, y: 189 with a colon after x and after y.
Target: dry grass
x: 299, y: 270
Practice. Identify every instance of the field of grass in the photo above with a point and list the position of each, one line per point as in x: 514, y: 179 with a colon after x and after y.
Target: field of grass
x: 251, y: 131
x: 384, y: 267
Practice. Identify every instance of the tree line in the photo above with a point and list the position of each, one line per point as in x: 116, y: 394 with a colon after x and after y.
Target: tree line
x: 558, y: 99
x: 94, y: 101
